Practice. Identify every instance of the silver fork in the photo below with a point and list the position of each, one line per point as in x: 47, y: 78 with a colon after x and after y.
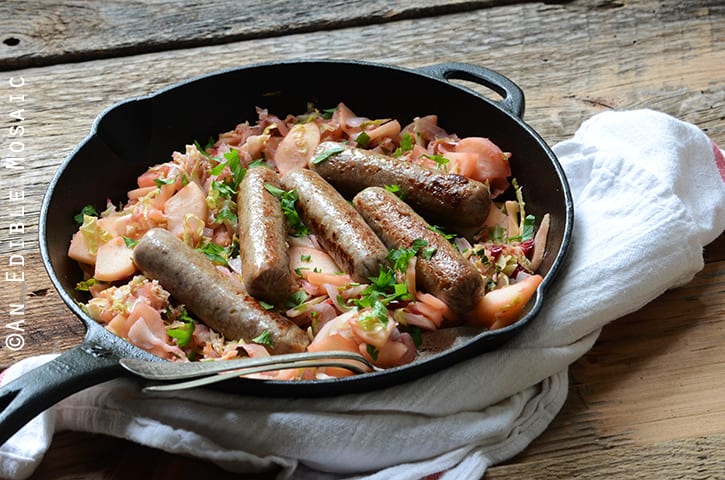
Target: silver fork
x: 206, y: 373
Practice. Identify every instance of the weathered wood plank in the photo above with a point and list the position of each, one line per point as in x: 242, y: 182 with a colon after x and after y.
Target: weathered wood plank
x: 699, y: 458
x: 652, y: 376
x: 40, y: 32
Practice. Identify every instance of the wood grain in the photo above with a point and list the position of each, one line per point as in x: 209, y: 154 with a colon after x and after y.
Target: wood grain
x: 693, y: 459
x: 653, y: 376
x: 46, y: 32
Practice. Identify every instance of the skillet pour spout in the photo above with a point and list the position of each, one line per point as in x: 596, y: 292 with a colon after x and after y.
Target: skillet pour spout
x: 159, y: 124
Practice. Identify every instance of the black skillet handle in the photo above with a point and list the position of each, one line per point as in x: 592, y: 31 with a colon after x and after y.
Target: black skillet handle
x: 512, y: 100
x: 24, y: 398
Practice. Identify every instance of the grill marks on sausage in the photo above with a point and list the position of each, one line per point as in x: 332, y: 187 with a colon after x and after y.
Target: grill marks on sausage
x: 445, y: 199
x: 357, y: 238
x: 338, y: 226
x: 263, y: 237
x: 446, y: 274
x: 214, y: 297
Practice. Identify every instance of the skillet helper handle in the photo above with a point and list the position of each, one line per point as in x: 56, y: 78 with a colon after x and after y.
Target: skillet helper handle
x: 35, y: 391
x: 512, y: 100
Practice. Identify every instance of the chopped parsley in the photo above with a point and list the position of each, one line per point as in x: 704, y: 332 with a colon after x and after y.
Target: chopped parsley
x: 385, y: 288
x: 378, y: 314
x: 296, y: 299
x: 218, y: 254
x: 406, y: 145
x: 265, y: 305
x: 264, y: 338
x: 223, y: 190
x: 287, y: 200
x: 396, y: 190
x: 327, y: 154
x: 235, y: 166
x: 226, y: 215
x: 184, y: 333
x: 88, y: 210
x: 527, y: 233
x: 130, y: 242
x: 161, y: 181
x: 362, y: 140
x: 440, y: 160
x: 439, y: 231
x: 400, y: 257
x: 328, y: 113
x: 203, y: 150
x: 85, y: 285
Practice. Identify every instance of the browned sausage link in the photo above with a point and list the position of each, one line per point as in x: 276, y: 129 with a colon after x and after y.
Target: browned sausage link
x: 447, y: 275
x: 212, y: 296
x: 446, y: 199
x: 263, y: 237
x: 338, y: 226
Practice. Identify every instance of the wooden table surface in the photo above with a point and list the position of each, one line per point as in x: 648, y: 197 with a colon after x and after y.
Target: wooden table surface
x: 648, y: 401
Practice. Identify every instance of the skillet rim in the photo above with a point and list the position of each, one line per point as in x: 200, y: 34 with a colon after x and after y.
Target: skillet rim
x: 365, y: 382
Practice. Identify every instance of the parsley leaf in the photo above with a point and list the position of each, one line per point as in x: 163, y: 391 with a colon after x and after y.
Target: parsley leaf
x: 226, y: 214
x: 396, y: 190
x: 89, y: 210
x: 440, y: 160
x: 182, y: 334
x: 363, y: 140
x: 203, y: 150
x: 274, y: 190
x: 327, y: 154
x: 528, y: 231
x: 406, y: 143
x: 160, y: 182
x: 328, y: 113
x: 258, y: 163
x: 216, y: 253
x: 287, y: 200
x: 85, y: 285
x: 223, y: 189
x: 265, y: 305
x: 264, y: 338
x: 235, y: 166
x: 385, y: 288
x: 439, y: 231
x: 130, y: 242
x: 296, y: 299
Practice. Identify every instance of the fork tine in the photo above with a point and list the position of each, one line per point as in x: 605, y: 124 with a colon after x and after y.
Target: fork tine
x: 227, y: 375
x: 178, y: 371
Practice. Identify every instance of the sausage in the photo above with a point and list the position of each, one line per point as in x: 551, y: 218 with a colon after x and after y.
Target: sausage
x: 263, y: 237
x: 214, y: 297
x: 451, y: 200
x: 338, y: 226
x: 447, y: 275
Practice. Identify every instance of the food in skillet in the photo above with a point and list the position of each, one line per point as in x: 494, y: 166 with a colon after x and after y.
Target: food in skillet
x: 321, y: 231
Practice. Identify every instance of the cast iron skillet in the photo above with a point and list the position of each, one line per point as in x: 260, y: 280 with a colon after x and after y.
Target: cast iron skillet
x: 134, y: 134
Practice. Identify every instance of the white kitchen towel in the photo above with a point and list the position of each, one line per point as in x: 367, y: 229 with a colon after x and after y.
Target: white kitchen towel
x: 649, y: 193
